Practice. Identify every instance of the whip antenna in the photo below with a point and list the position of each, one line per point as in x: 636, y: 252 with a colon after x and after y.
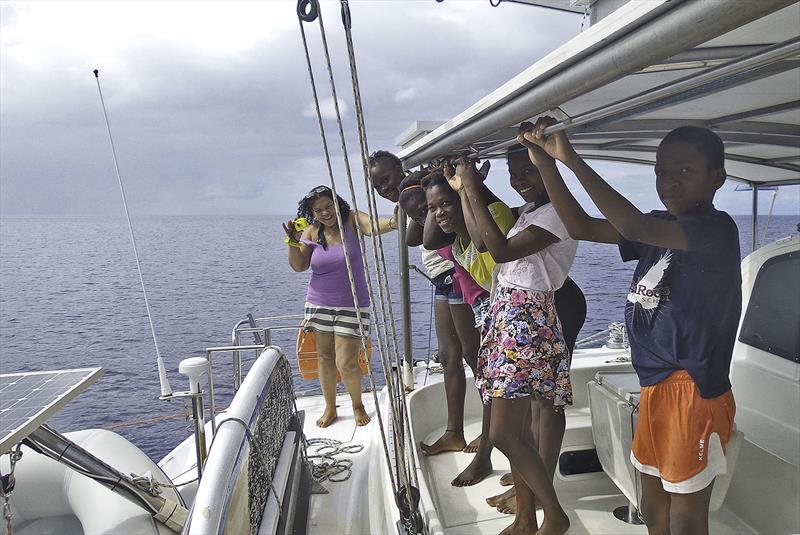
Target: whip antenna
x: 166, y: 390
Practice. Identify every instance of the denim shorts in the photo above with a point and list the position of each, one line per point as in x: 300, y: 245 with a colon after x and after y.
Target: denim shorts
x: 445, y: 288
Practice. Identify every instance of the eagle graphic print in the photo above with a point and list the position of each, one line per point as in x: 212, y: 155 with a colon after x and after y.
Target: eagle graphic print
x: 650, y: 290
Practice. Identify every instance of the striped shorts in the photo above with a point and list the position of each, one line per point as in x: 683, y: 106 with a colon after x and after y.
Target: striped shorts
x: 341, y: 321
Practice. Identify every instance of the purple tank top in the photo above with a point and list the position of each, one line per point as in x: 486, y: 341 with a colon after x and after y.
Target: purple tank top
x: 329, y: 285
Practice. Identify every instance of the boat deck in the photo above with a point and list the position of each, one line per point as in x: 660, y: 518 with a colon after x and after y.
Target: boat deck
x: 342, y: 510
x: 358, y: 505
x: 589, y: 499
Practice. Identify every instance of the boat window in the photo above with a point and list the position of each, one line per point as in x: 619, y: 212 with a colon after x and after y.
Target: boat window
x: 772, y: 319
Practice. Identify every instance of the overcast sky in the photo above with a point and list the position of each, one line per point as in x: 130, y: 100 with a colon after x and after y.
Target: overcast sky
x: 211, y: 108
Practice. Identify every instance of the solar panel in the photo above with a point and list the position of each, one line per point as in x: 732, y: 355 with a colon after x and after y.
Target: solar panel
x: 27, y: 400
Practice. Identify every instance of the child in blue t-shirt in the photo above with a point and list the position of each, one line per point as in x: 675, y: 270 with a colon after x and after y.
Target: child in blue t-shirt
x: 682, y: 311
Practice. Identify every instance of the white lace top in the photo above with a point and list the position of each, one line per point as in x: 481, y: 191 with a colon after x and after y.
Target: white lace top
x: 547, y: 269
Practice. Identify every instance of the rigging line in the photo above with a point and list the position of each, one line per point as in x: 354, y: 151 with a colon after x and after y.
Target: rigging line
x: 346, y: 20
x: 338, y: 215
x: 377, y: 241
x: 430, y: 321
x: 395, y: 413
x: 374, y: 230
x: 372, y: 203
x: 373, y: 214
x: 166, y: 390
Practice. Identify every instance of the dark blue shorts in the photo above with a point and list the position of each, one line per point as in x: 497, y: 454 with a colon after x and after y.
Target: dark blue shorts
x: 446, y: 289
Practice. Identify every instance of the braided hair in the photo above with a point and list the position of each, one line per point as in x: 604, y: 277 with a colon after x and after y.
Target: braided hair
x: 304, y: 209
x: 378, y: 154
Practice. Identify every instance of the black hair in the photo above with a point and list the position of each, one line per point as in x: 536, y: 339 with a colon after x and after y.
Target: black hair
x: 704, y: 140
x: 515, y: 148
x: 378, y: 154
x: 435, y: 179
x: 304, y: 210
x: 414, y: 179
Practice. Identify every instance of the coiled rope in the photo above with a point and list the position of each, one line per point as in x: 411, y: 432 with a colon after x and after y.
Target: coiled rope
x: 328, y: 467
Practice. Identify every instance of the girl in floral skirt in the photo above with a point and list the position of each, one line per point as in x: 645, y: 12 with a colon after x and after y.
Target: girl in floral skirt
x: 523, y: 363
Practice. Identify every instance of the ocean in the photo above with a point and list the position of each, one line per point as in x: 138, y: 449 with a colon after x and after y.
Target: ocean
x: 70, y: 298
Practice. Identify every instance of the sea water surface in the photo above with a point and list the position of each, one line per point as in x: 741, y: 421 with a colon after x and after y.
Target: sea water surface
x: 70, y: 297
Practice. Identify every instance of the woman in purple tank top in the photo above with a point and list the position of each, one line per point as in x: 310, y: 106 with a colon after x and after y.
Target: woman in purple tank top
x: 330, y: 309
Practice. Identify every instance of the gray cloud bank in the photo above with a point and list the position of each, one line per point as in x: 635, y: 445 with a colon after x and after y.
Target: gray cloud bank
x: 204, y: 131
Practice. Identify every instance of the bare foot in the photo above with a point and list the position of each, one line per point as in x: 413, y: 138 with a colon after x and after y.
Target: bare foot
x: 503, y: 500
x: 521, y: 527
x: 554, y: 524
x: 507, y: 480
x: 362, y: 418
x: 327, y: 418
x: 449, y: 441
x: 472, y: 447
x: 476, y: 472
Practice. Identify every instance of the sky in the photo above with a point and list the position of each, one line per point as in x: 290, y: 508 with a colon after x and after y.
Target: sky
x: 210, y: 104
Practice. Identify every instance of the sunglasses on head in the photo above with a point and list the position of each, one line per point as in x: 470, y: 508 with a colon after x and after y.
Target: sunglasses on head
x: 319, y: 190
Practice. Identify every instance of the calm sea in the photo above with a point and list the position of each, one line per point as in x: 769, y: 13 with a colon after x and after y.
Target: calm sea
x: 70, y: 298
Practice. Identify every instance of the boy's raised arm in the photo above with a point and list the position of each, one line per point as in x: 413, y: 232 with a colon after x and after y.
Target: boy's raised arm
x: 579, y: 224
x: 501, y: 248
x: 628, y: 221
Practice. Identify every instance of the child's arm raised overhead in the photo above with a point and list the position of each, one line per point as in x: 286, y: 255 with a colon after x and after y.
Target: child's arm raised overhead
x: 413, y: 233
x: 501, y: 248
x: 579, y: 224
x: 628, y: 220
x: 475, y: 232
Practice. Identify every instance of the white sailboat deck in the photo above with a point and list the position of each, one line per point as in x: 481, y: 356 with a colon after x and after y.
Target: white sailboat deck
x: 354, y: 506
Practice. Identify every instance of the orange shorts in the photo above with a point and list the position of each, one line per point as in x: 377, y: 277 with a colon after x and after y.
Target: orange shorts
x: 681, y: 436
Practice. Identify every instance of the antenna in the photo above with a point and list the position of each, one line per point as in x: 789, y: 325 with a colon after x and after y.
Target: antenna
x: 166, y: 390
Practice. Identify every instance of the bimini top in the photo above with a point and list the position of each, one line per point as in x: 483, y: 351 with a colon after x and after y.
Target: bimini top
x: 641, y: 71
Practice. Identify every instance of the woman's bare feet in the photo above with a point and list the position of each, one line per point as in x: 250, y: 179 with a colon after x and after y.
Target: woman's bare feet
x: 449, y: 441
x: 362, y: 418
x: 327, y: 418
x: 507, y: 480
x: 476, y: 472
x: 472, y: 447
x: 505, y: 502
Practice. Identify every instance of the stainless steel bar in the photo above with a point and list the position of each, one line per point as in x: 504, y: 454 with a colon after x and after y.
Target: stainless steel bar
x: 755, y: 215
x: 200, y: 430
x: 405, y: 299
x: 675, y: 30
x: 212, y: 398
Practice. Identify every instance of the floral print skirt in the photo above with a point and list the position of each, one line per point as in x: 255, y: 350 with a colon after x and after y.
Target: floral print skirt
x: 523, y: 352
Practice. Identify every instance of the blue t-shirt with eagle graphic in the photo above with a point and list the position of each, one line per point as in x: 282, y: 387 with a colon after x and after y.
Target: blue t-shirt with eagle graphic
x: 683, y: 307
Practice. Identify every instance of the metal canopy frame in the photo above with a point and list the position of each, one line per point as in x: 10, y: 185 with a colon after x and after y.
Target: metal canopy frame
x: 620, y: 89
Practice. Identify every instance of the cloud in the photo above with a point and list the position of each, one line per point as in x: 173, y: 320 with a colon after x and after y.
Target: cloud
x: 405, y: 95
x: 211, y: 108
x: 327, y: 109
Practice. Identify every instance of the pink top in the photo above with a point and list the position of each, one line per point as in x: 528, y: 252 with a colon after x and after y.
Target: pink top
x: 471, y: 291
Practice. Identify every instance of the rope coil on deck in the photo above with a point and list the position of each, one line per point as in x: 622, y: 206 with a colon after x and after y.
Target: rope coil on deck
x: 329, y: 467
